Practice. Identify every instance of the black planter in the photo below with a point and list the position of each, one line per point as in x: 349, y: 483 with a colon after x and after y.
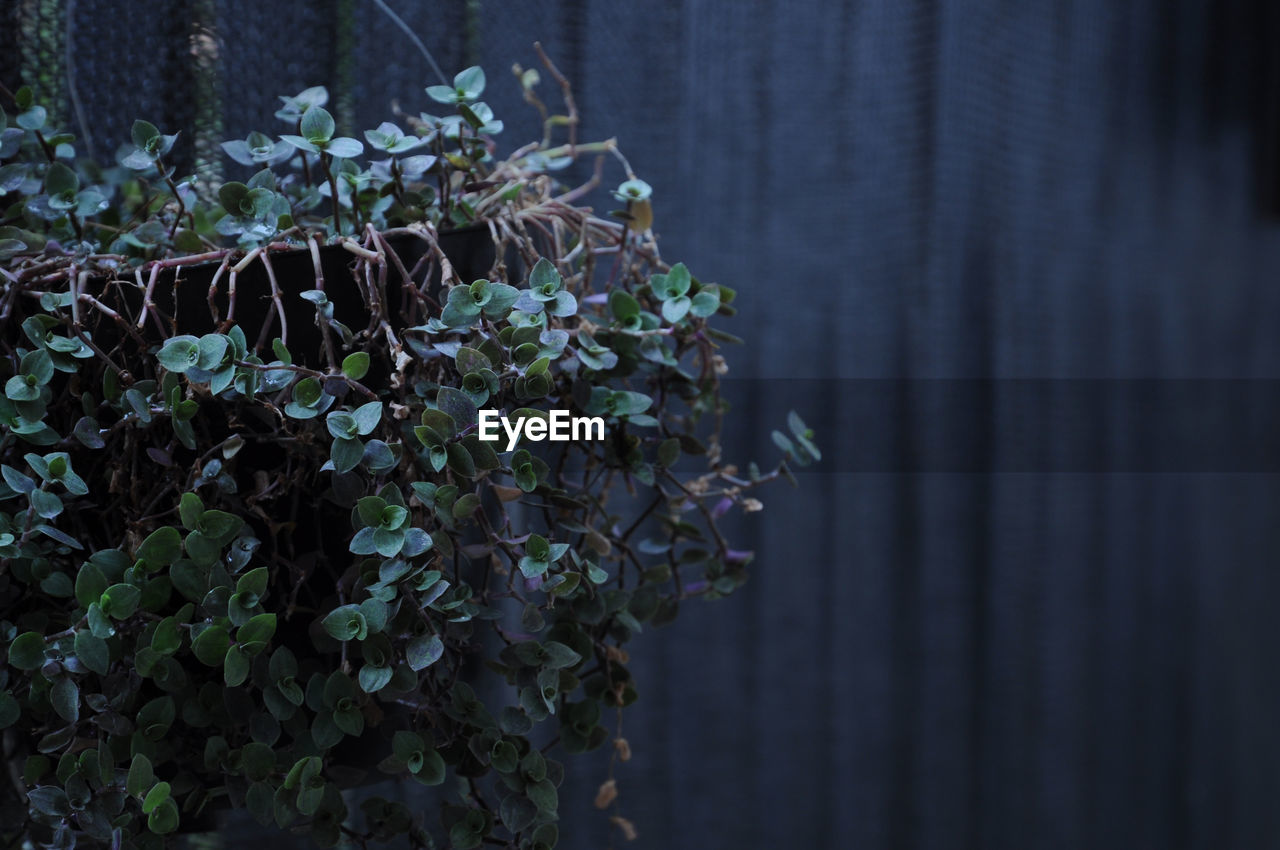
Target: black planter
x: 181, y: 296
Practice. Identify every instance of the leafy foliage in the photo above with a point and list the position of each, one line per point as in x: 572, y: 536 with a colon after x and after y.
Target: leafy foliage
x: 231, y: 567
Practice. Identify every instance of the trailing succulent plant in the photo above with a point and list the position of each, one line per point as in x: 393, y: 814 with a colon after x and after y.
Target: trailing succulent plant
x: 225, y: 557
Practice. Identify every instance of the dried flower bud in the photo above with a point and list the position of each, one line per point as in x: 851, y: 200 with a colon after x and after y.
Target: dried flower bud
x: 713, y: 451
x: 623, y: 749
x: 607, y: 794
x: 402, y: 361
x: 627, y: 827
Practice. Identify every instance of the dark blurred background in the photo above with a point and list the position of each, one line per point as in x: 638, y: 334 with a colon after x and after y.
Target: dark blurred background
x: 1016, y: 261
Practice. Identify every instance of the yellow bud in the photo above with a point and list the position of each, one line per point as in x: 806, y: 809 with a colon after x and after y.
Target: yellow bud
x: 639, y: 216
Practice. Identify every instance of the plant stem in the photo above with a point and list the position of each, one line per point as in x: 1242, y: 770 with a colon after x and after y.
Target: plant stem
x: 182, y: 206
x: 333, y: 192
x: 311, y: 373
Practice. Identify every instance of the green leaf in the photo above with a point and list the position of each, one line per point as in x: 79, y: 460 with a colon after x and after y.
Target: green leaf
x: 164, y: 819
x: 190, y: 508
x: 633, y: 190
x: 518, y: 814
x: 307, y: 766
x: 380, y: 456
x: 441, y: 94
x: 369, y: 509
x: 213, y: 352
x: 458, y: 405
x: 231, y: 194
x: 558, y: 655
x: 258, y: 761
x: 92, y: 652
x: 17, y: 388
x: 565, y: 583
x: 538, y: 548
x: 300, y: 143
x: 349, y: 719
x: 211, y: 646
x: 356, y: 365
x: 141, y: 777
x: 346, y: 623
x: 37, y: 365
x: 60, y: 179
x: 254, y: 581
x: 375, y: 613
x: 543, y: 795
x: 424, y: 651
x: 470, y: 360
x: 341, y: 425
x: 388, y: 543
x: 49, y: 800
x: 179, y: 353
x: 32, y: 118
x: 167, y: 638
x: 406, y: 745
x: 16, y: 480
x: 219, y: 526
x: 202, y: 549
x: 677, y: 281
x: 142, y: 133
x: 45, y: 504
x: 317, y: 125
x: 65, y: 698
x: 308, y: 392
x: 235, y: 667
x: 90, y: 582
x: 623, y: 305
x: 367, y: 417
x: 706, y: 302
x: 544, y: 277
x: 374, y: 679
x: 99, y: 622
x: 469, y: 83
x: 119, y: 601
x: 675, y: 309
x: 393, y: 517
x: 532, y: 568
x: 346, y: 454
x: 669, y: 452
x: 158, y: 794
x: 432, y: 770
x: 162, y: 547
x: 260, y: 628
x: 504, y: 757
x: 345, y: 147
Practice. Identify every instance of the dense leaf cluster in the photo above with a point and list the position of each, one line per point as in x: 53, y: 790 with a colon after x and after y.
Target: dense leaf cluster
x: 233, y: 571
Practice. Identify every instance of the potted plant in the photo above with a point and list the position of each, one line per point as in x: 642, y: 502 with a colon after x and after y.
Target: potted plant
x: 278, y: 507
